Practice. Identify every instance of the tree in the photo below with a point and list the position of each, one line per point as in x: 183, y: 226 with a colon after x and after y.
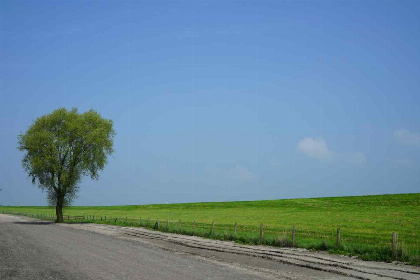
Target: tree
x: 62, y: 147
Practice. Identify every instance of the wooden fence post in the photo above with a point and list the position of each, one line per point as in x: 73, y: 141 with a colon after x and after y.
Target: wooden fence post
x: 261, y: 234
x: 338, y: 237
x: 157, y: 224
x: 293, y: 236
x: 394, y: 244
x: 212, y: 228
x: 194, y: 229
x: 234, y: 231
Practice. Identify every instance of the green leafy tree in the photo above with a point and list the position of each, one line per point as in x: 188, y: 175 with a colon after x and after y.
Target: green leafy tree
x: 63, y: 147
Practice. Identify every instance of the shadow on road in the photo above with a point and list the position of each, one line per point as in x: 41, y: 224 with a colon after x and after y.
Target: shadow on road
x: 34, y: 223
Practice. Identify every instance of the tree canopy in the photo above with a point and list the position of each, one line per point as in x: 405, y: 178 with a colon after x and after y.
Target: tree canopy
x: 62, y: 147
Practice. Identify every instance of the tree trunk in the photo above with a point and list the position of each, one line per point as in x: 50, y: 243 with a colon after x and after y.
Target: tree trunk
x: 59, y: 210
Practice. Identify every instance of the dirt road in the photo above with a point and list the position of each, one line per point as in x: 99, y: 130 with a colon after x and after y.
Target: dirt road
x: 32, y: 249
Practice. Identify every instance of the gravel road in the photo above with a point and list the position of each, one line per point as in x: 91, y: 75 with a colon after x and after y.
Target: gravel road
x: 33, y: 249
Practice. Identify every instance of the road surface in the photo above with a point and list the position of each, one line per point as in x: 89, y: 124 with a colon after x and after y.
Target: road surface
x: 33, y: 249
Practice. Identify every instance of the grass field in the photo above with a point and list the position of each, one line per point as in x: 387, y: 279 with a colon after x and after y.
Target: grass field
x: 366, y: 222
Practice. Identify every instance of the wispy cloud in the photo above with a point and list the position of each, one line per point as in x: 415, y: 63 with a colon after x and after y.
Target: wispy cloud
x: 406, y: 137
x: 314, y: 148
x: 240, y: 173
x: 317, y: 148
x: 354, y: 158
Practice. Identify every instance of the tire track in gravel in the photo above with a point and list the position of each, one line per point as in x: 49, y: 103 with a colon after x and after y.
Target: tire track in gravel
x: 339, y: 265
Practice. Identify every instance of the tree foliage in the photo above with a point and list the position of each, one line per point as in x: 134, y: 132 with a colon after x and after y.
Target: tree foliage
x: 62, y: 147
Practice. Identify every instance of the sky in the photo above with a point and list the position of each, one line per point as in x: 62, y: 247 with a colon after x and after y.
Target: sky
x: 220, y: 100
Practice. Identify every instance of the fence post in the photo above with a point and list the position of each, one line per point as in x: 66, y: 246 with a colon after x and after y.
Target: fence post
x: 167, y: 225
x: 234, y: 231
x: 212, y: 226
x: 293, y: 236
x: 179, y: 226
x: 194, y: 229
x: 157, y: 224
x: 394, y: 244
x: 338, y: 237
x: 261, y: 234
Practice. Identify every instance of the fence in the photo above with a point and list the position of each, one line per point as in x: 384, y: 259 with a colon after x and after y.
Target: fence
x: 391, y: 245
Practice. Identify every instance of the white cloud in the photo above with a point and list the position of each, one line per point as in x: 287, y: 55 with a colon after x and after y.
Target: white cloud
x: 405, y: 137
x: 315, y: 148
x: 241, y: 173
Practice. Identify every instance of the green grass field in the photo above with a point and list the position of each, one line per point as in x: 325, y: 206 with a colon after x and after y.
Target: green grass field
x: 366, y: 222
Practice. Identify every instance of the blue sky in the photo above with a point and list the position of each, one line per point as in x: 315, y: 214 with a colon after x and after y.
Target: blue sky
x: 220, y: 100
